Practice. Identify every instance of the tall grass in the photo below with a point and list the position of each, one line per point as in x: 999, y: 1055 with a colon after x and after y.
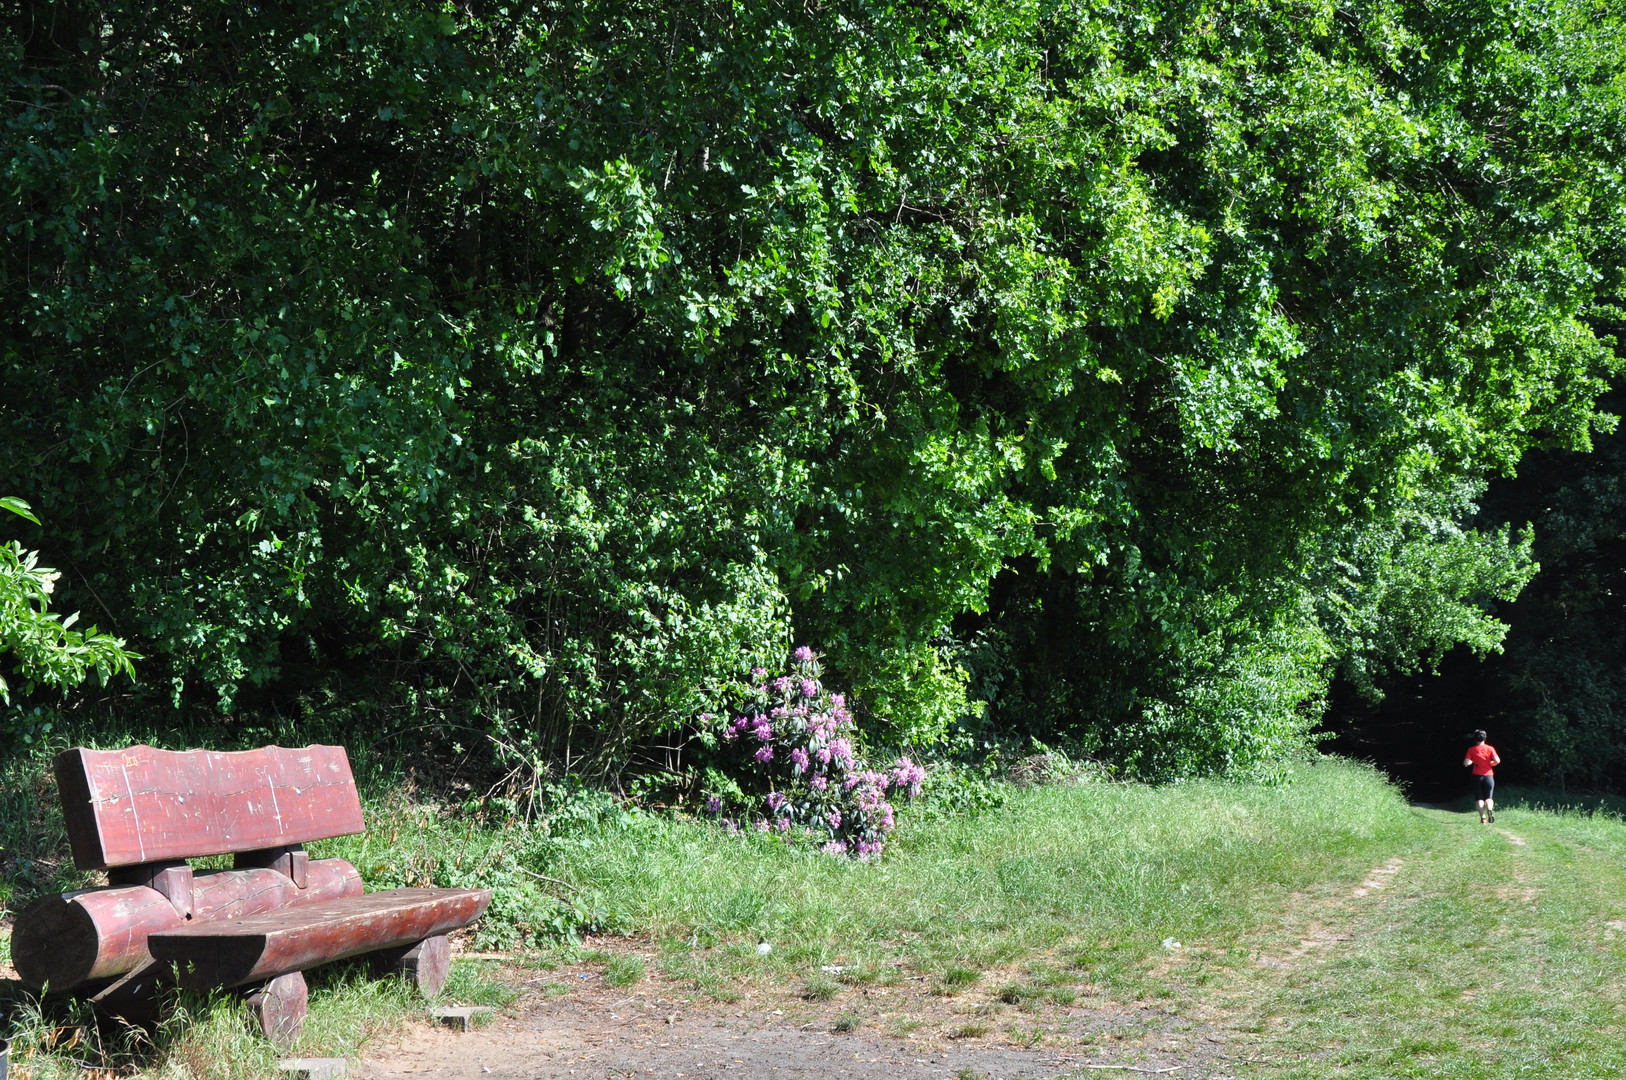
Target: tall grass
x: 1102, y: 870
x: 1092, y: 877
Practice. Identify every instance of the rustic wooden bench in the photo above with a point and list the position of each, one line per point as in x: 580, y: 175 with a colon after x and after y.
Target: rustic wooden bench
x: 140, y: 813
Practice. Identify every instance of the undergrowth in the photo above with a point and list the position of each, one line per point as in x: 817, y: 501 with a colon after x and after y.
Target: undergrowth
x: 982, y: 874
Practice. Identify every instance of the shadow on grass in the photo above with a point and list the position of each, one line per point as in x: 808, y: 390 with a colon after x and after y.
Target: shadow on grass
x: 1546, y: 800
x: 1560, y: 802
x: 208, y: 1034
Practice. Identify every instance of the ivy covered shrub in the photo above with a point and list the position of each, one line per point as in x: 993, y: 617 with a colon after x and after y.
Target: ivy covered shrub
x: 786, y: 761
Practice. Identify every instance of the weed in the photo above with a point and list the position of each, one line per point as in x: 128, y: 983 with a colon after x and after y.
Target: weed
x: 968, y: 1073
x: 1016, y: 993
x: 848, y: 1023
x: 864, y: 976
x: 960, y: 977
x: 718, y: 991
x: 624, y: 970
x: 819, y: 988
x: 969, y: 1031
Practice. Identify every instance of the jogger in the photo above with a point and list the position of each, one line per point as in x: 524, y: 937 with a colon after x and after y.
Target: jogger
x: 1483, y: 759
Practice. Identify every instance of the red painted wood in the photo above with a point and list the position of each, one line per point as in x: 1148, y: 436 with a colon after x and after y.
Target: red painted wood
x: 67, y: 941
x: 140, y: 805
x: 61, y: 942
x: 264, y: 946
x: 279, y: 1007
x: 173, y: 879
x: 425, y: 965
x: 288, y: 861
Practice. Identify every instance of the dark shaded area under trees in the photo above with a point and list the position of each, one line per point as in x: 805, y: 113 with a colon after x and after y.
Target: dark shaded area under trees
x: 525, y: 373
x: 1554, y: 700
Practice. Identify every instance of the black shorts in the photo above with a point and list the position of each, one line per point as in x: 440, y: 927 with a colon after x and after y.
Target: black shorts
x: 1486, y: 786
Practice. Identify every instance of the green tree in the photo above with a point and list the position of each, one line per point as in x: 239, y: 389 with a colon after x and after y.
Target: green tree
x: 41, y: 647
x: 538, y: 366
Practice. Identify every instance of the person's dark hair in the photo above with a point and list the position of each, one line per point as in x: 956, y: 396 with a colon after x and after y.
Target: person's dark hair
x: 1478, y: 736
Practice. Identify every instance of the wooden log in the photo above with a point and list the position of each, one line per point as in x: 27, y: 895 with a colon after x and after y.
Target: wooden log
x: 264, y: 946
x: 140, y: 805
x: 133, y: 996
x: 425, y: 965
x: 173, y: 879
x: 290, y: 861
x: 66, y: 941
x: 61, y: 942
x: 278, y: 1006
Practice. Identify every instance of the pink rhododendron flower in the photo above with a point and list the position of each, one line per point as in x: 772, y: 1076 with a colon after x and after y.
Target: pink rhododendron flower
x: 803, y: 654
x: 764, y: 754
x: 809, y: 688
x: 798, y: 760
x: 818, y: 783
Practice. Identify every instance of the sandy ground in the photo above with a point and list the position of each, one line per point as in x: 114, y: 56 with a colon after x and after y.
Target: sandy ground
x: 904, y: 1032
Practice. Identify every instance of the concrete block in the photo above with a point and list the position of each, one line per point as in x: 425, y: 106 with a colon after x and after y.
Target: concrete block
x: 462, y: 1017
x: 312, y: 1068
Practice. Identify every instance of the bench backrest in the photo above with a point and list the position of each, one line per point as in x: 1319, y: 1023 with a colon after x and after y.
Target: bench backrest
x: 140, y: 805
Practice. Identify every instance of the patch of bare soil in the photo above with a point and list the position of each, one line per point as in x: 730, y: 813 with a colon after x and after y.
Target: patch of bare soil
x: 899, y: 1032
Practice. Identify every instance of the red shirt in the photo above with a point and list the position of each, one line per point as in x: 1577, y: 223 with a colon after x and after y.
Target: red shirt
x: 1482, y: 756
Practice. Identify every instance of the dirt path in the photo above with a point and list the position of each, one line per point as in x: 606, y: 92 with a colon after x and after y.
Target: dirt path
x: 1356, y: 978
x: 575, y: 1040
x: 600, y: 1033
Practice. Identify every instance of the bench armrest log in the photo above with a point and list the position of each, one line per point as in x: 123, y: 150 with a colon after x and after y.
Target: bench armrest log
x: 267, y: 946
x: 66, y: 941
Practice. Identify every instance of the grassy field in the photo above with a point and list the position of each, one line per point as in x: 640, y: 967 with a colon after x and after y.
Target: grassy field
x: 1322, y: 928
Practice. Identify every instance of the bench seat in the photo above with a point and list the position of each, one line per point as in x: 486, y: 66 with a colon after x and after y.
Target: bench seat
x: 232, y: 952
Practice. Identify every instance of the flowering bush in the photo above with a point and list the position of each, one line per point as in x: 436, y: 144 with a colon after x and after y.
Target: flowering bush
x: 789, y: 746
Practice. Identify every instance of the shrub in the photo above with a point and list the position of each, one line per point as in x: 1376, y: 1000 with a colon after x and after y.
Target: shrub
x: 789, y: 764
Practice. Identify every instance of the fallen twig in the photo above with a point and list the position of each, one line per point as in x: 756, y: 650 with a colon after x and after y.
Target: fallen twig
x: 1134, y: 1068
x: 549, y: 880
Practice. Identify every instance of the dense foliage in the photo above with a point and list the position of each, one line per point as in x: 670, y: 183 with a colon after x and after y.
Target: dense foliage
x: 41, y: 647
x: 1555, y: 699
x: 1110, y: 372
x: 1561, y: 687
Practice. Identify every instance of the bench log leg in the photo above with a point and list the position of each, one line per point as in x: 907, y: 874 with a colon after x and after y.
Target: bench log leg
x: 278, y: 1006
x: 425, y: 965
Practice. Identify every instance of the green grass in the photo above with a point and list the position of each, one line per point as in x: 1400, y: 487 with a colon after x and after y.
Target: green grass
x: 1485, y: 958
x: 624, y: 970
x: 1101, y: 873
x: 1479, y: 957
x: 819, y: 988
x: 847, y: 1023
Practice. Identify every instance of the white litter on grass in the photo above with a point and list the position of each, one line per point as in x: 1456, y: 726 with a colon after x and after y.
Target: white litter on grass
x: 1170, y: 943
x: 763, y: 948
x: 833, y: 969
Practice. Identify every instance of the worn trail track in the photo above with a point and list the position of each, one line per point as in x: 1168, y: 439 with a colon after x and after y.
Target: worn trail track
x: 1234, y: 1013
